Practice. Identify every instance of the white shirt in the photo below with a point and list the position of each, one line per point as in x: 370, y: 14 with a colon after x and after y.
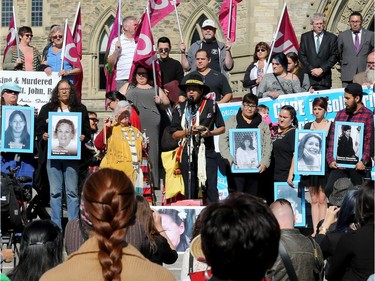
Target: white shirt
x: 125, y: 59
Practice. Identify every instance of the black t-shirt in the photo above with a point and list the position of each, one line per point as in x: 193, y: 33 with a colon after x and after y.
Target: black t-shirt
x: 171, y: 69
x: 213, y: 50
x: 217, y: 82
x: 283, y: 149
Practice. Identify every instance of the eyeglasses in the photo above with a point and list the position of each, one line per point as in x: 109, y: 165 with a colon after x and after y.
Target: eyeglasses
x: 261, y: 50
x: 250, y: 106
x: 64, y: 89
x: 164, y: 50
x: 11, y: 92
x: 57, y: 36
x: 95, y: 120
x: 28, y: 35
x: 142, y: 74
x: 370, y: 62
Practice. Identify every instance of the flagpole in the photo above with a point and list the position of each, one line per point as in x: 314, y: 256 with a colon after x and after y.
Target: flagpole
x: 76, y: 17
x: 64, y: 45
x: 178, y: 20
x: 230, y: 18
x: 119, y: 21
x: 153, y: 62
x: 16, y: 32
x: 274, y: 37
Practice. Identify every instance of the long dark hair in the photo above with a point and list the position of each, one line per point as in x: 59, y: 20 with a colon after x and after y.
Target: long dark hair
x: 73, y: 101
x: 346, y: 215
x: 109, y: 199
x: 41, y: 249
x: 144, y: 215
x: 247, y: 137
x: 25, y: 136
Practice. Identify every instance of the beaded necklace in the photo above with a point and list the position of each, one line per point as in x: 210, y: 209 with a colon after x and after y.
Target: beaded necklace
x: 131, y: 143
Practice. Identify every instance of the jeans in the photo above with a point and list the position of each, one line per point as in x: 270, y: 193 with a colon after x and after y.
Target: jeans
x: 63, y: 172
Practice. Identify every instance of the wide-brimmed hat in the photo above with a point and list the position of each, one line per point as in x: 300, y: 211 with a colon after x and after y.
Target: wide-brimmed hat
x: 11, y: 86
x: 196, y: 249
x: 340, y: 188
x: 195, y: 79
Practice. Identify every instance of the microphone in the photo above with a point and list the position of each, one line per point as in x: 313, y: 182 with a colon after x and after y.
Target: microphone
x: 190, y: 101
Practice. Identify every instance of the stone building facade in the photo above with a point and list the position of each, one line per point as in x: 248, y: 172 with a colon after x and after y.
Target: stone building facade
x: 256, y: 21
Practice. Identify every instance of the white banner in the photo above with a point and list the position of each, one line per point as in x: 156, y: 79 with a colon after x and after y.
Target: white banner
x: 36, y: 86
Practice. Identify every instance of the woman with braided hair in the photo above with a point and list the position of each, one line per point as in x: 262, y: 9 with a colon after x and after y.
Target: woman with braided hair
x: 109, y: 199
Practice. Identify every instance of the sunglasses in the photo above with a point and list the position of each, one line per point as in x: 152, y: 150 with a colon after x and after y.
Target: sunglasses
x: 164, y: 50
x: 96, y: 120
x: 142, y: 74
x: 28, y: 35
x: 11, y: 92
x: 261, y: 50
x: 57, y: 36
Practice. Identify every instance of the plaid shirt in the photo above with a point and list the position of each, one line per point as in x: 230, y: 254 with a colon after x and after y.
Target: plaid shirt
x: 363, y: 115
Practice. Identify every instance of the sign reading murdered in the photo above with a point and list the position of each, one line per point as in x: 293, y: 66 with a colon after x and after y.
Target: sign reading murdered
x: 36, y: 86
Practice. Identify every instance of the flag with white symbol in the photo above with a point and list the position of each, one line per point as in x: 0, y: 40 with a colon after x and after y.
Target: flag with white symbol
x: 77, y: 31
x: 159, y: 9
x: 12, y: 35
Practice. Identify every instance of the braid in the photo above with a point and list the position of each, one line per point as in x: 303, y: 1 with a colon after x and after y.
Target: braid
x: 109, y: 201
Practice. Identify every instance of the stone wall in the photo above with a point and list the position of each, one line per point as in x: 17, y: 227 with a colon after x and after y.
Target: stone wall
x: 257, y: 21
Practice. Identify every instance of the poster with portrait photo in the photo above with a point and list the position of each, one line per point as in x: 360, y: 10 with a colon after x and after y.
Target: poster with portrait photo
x: 309, y: 152
x: 285, y: 191
x: 17, y: 129
x: 178, y: 222
x: 64, y: 130
x: 348, y: 143
x: 245, y: 148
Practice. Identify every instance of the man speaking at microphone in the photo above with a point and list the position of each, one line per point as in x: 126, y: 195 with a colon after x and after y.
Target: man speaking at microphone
x: 194, y: 121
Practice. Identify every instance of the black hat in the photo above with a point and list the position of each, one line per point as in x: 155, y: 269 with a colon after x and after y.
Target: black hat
x: 354, y: 89
x: 195, y: 79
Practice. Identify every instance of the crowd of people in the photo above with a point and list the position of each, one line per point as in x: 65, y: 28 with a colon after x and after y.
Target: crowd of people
x: 113, y: 234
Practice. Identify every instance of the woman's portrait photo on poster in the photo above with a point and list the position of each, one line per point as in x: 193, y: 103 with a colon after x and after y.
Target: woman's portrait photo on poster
x: 310, y: 152
x: 285, y: 191
x: 348, y: 143
x: 65, y: 129
x: 17, y: 129
x: 245, y: 148
x: 178, y: 224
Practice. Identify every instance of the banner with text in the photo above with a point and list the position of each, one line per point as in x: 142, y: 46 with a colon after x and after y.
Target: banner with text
x: 36, y: 86
x: 302, y: 102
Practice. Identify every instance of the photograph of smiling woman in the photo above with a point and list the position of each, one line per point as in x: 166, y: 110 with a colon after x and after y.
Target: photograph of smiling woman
x: 64, y: 138
x: 310, y: 152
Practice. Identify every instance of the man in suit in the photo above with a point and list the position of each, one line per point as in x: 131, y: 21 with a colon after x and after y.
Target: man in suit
x: 318, y: 53
x: 354, y: 45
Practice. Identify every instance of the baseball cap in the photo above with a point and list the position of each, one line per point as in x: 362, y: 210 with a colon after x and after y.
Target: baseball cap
x: 208, y: 22
x: 354, y: 89
x: 11, y: 86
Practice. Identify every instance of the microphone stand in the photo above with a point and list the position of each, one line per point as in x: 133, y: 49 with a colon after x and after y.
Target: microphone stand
x: 189, y: 121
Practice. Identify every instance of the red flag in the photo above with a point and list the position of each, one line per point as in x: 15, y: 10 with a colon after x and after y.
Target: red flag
x: 11, y: 37
x: 225, y: 21
x: 71, y: 55
x: 110, y: 72
x: 159, y: 9
x: 77, y: 31
x: 286, y: 40
x: 144, y: 53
